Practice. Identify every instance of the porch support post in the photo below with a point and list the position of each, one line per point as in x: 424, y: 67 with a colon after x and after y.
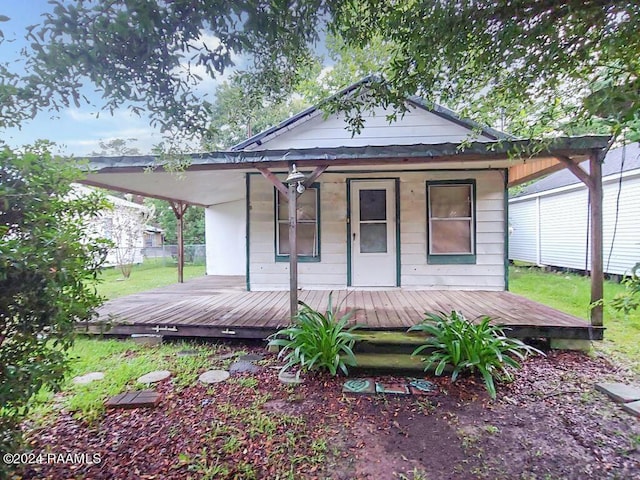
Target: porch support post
x: 293, y: 250
x: 179, y: 209
x: 597, y: 271
x: 291, y: 194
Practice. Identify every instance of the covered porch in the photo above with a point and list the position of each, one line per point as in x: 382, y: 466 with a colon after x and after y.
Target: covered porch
x: 220, y: 307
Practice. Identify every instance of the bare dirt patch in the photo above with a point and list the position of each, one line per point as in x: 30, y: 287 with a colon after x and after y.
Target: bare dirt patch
x: 548, y: 423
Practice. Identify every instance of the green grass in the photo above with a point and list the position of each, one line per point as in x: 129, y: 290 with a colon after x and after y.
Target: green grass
x: 570, y: 293
x: 122, y: 362
x: 153, y: 273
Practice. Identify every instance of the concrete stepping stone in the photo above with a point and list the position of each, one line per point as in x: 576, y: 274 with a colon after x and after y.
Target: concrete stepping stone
x: 214, y: 376
x: 243, y: 367
x: 420, y: 387
x: 619, y: 392
x: 632, y: 407
x: 154, y: 377
x: 289, y: 378
x: 88, y: 378
x: 139, y: 399
x: 392, y: 388
x: 359, y: 386
x: 224, y: 356
x: 187, y: 353
x: 251, y: 357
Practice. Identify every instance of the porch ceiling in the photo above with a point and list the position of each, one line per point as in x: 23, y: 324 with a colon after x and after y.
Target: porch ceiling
x: 218, y: 177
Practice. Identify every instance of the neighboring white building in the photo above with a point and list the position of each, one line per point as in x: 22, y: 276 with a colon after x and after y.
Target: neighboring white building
x: 549, y: 218
x: 124, y: 225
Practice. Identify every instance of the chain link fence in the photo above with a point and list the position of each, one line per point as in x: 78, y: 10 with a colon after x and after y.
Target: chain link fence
x: 168, y: 254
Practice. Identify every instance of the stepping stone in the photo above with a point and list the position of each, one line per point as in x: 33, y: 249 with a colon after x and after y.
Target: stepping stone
x: 187, y: 353
x: 224, y: 356
x: 142, y: 398
x: 632, y: 407
x: 243, y: 367
x: 619, y: 392
x: 359, y: 386
x: 155, y: 377
x: 289, y: 378
x: 420, y: 387
x: 392, y: 388
x: 214, y: 376
x: 252, y: 357
x: 88, y: 378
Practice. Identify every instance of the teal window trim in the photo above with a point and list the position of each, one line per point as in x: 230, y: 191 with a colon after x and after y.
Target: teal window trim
x: 301, y: 258
x: 457, y: 258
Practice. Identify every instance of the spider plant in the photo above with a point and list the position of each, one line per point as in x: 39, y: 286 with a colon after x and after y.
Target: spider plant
x: 317, y: 340
x: 474, y: 347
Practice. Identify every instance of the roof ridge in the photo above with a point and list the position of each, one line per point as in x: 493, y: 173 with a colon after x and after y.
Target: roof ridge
x: 416, y: 100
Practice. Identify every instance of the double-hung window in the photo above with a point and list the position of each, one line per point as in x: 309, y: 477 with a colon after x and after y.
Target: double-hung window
x: 451, y: 222
x: 308, y: 238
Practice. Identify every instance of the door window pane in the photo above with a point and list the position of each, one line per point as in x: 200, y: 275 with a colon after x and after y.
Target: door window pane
x: 373, y: 205
x: 373, y: 238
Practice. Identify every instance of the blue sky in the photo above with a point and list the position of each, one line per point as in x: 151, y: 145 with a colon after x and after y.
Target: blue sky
x: 76, y: 131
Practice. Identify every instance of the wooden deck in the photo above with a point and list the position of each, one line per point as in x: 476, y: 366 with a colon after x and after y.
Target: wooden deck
x: 217, y: 306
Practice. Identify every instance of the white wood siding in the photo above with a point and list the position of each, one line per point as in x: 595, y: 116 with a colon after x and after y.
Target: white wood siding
x: 416, y: 126
x: 331, y: 271
x: 563, y: 227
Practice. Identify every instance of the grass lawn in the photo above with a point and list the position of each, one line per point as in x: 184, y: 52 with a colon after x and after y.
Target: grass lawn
x: 570, y: 293
x: 153, y: 273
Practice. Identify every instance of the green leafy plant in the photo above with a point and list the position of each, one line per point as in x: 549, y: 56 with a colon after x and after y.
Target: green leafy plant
x: 629, y: 300
x: 317, y: 340
x: 466, y: 346
x: 48, y: 270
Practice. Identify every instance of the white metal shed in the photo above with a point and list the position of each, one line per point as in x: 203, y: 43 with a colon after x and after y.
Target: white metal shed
x: 549, y: 218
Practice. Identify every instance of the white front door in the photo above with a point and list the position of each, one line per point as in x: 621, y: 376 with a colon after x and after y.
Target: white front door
x: 373, y: 233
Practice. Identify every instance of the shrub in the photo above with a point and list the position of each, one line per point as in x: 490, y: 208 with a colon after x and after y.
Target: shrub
x: 317, y: 340
x: 465, y: 346
x: 47, y: 272
x: 629, y: 300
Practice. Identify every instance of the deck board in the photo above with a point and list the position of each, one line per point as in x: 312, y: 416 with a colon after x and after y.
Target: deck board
x: 223, y: 303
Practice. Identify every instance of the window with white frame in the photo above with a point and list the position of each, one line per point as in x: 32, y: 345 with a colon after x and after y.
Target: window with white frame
x: 308, y: 225
x: 451, y: 221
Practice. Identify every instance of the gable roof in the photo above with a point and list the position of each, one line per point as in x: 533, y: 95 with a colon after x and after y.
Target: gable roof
x: 625, y: 158
x: 415, y: 101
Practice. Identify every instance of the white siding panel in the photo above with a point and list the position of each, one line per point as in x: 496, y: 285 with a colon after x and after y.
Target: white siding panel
x: 415, y: 126
x: 563, y: 229
x: 225, y: 234
x: 523, y: 241
x: 626, y: 249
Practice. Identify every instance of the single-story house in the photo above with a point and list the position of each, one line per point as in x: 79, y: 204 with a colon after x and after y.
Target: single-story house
x: 419, y: 204
x: 549, y: 219
x: 123, y: 225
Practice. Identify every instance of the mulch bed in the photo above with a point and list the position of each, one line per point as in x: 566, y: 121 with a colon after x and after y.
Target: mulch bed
x: 548, y: 423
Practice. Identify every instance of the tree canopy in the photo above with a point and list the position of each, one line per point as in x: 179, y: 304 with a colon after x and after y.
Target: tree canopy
x: 518, y: 63
x: 532, y: 62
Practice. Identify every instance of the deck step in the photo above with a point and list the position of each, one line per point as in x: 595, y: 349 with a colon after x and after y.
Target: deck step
x: 382, y: 342
x: 395, y: 363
